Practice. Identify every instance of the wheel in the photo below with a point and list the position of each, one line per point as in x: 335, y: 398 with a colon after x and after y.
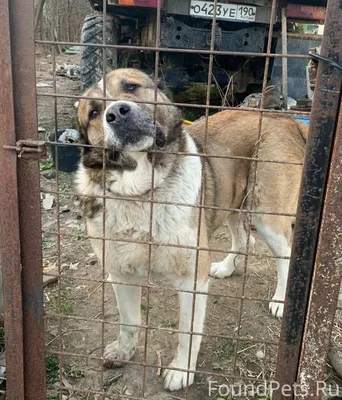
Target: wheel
x: 92, y: 57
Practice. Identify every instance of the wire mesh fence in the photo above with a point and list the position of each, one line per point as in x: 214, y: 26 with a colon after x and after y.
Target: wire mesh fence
x: 141, y: 215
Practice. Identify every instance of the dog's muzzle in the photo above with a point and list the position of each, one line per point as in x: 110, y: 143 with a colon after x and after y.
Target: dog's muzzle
x: 118, y: 112
x: 128, y: 126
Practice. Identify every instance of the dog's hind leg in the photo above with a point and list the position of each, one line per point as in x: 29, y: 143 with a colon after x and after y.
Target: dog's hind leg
x: 276, y: 231
x: 236, y: 224
x: 128, y: 301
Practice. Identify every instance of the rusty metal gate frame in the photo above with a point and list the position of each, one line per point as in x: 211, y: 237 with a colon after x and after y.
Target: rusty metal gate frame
x: 322, y: 132
x: 326, y: 279
x: 20, y: 207
x: 20, y: 234
x: 9, y: 222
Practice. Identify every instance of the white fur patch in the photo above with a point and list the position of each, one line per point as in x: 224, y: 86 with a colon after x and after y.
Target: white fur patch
x: 131, y: 219
x: 138, y: 181
x: 280, y: 247
x: 100, y: 84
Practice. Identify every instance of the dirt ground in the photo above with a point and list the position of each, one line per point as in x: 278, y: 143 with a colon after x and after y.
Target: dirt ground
x: 79, y: 294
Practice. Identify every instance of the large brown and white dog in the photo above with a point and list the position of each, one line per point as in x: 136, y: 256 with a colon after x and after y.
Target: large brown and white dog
x: 129, y: 129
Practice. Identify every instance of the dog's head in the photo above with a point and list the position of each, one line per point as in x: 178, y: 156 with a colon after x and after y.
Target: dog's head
x: 126, y: 123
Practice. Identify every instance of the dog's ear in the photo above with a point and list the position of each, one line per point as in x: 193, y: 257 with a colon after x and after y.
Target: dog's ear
x: 82, y: 131
x: 162, y: 85
x: 160, y: 137
x: 82, y: 123
x: 165, y: 89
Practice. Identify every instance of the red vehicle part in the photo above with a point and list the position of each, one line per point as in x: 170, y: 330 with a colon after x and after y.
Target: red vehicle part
x: 137, y: 3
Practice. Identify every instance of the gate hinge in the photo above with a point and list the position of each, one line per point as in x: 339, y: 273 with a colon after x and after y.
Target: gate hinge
x: 31, y: 149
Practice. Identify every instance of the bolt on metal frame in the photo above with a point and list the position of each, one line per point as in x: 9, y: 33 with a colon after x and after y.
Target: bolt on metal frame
x: 23, y: 270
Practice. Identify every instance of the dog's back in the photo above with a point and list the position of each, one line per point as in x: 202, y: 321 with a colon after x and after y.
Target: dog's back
x: 239, y: 131
x: 236, y: 133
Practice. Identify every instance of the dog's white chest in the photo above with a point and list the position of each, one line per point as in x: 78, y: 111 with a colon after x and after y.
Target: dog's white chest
x: 136, y: 182
x: 135, y: 216
x: 130, y: 220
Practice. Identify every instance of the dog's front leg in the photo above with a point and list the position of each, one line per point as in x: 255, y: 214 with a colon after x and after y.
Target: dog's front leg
x: 175, y: 380
x: 128, y: 300
x: 189, y: 344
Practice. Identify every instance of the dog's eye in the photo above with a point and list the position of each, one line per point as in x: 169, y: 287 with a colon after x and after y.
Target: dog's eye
x: 131, y: 87
x: 93, y: 114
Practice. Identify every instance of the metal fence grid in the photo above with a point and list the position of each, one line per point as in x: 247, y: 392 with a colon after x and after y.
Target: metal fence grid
x: 63, y: 320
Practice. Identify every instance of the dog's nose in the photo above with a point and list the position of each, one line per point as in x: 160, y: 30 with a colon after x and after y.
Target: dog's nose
x: 118, y: 111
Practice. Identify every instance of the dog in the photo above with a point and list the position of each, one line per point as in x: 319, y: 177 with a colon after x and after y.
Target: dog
x: 129, y: 130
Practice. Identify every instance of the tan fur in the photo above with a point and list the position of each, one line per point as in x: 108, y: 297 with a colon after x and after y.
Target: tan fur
x: 236, y: 133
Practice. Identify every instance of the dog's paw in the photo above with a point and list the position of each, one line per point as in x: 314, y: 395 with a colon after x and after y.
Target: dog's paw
x: 176, y: 380
x: 276, y: 309
x: 221, y: 269
x: 116, y: 354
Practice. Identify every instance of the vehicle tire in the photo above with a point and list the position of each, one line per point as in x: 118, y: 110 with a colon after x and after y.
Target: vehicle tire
x: 92, y: 57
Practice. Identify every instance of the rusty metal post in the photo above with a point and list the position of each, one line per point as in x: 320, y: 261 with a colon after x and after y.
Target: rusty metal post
x: 284, y: 52
x: 316, y: 165
x: 325, y: 283
x: 9, y: 222
x: 21, y: 15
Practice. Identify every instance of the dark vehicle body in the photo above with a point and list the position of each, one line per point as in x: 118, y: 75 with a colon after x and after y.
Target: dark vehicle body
x: 241, y: 26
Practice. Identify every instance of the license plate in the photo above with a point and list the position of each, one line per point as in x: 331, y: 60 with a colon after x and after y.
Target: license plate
x: 241, y: 12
